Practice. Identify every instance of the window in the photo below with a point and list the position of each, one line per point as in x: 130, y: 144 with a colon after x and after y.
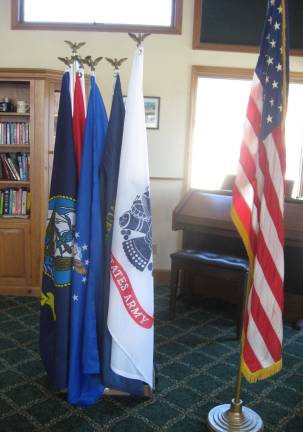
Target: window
x: 157, y: 16
x: 220, y: 98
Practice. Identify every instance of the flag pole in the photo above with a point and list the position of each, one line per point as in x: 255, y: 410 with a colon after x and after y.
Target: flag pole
x: 237, y: 400
x: 116, y: 63
x: 234, y: 416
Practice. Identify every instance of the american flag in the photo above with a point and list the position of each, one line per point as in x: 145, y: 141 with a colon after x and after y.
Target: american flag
x: 258, y: 200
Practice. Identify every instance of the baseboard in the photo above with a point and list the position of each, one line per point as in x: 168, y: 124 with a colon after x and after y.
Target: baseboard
x: 20, y: 290
x: 161, y: 277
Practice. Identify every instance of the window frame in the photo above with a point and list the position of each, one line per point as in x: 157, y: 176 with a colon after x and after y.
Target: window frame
x: 17, y: 22
x: 228, y: 73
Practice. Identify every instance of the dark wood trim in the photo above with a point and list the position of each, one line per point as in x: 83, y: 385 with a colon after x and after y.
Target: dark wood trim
x: 301, y: 176
x: 17, y: 23
x: 31, y: 291
x: 168, y: 178
x: 161, y: 277
x: 14, y: 13
x: 234, y: 73
x: 198, y: 45
x: 298, y: 78
x: 191, y: 123
x: 148, y: 392
x: 177, y: 16
x: 293, y: 308
x: 221, y: 72
x: 28, y: 73
x: 197, y: 25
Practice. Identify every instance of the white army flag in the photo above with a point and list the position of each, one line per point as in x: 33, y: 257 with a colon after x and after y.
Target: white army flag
x: 131, y: 302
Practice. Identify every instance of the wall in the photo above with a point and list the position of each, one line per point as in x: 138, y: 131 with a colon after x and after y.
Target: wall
x: 167, y: 73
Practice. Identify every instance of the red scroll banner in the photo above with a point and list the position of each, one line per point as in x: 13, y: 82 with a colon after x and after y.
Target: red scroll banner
x: 128, y: 296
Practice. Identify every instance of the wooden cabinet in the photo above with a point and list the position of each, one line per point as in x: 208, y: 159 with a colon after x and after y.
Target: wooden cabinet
x: 14, y: 259
x: 22, y: 236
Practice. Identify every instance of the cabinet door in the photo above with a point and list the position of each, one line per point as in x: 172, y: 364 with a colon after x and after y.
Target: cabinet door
x: 14, y: 255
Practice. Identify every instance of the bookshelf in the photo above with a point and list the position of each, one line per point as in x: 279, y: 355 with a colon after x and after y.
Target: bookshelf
x: 27, y: 142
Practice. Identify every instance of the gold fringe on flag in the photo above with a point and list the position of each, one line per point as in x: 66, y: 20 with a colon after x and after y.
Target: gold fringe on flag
x: 261, y: 374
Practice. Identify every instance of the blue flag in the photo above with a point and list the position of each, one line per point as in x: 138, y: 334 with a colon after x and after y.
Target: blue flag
x: 109, y: 180
x: 57, y: 270
x: 84, y: 384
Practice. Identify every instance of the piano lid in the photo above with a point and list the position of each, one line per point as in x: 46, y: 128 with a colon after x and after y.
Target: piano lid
x: 209, y: 211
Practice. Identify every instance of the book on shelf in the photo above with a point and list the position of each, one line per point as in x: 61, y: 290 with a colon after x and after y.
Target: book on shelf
x: 23, y: 202
x: 5, y: 172
x: 24, y: 166
x: 13, y: 169
x: 28, y: 201
x: 14, y: 203
x: 14, y: 166
x: 14, y: 133
x: 6, y: 201
x: 1, y: 203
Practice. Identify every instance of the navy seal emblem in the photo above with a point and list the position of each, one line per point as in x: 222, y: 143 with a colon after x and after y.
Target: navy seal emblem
x: 59, y: 240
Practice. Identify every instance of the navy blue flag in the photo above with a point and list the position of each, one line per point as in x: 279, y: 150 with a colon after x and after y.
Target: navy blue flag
x: 59, y: 238
x: 84, y: 384
x: 109, y: 180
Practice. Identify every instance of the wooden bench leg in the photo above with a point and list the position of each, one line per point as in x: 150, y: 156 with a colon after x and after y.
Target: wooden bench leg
x: 188, y: 288
x: 173, y: 290
x: 180, y: 286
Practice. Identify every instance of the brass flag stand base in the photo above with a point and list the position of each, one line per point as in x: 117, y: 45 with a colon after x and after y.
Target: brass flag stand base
x: 233, y: 418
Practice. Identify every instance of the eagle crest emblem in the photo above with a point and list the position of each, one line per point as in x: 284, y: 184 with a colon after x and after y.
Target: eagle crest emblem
x: 136, y: 229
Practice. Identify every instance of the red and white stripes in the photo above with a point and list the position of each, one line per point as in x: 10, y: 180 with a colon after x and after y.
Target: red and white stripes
x: 257, y: 211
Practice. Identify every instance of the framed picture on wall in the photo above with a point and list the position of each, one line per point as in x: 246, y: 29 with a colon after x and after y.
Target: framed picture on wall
x: 152, y: 111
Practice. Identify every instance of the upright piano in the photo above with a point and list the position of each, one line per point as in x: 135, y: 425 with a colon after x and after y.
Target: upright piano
x: 204, y: 218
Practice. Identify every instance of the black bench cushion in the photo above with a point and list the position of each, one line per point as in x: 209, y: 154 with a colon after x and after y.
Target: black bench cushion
x: 211, y: 258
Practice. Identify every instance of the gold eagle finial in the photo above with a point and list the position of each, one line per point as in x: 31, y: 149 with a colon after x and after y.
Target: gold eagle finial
x: 89, y: 61
x: 74, y: 46
x: 116, y: 63
x: 139, y: 38
x: 79, y: 59
x: 66, y: 60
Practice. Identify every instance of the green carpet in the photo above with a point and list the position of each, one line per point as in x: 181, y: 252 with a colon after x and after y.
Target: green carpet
x: 197, y: 357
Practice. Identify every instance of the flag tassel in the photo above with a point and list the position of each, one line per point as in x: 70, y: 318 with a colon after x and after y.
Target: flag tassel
x: 262, y: 374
